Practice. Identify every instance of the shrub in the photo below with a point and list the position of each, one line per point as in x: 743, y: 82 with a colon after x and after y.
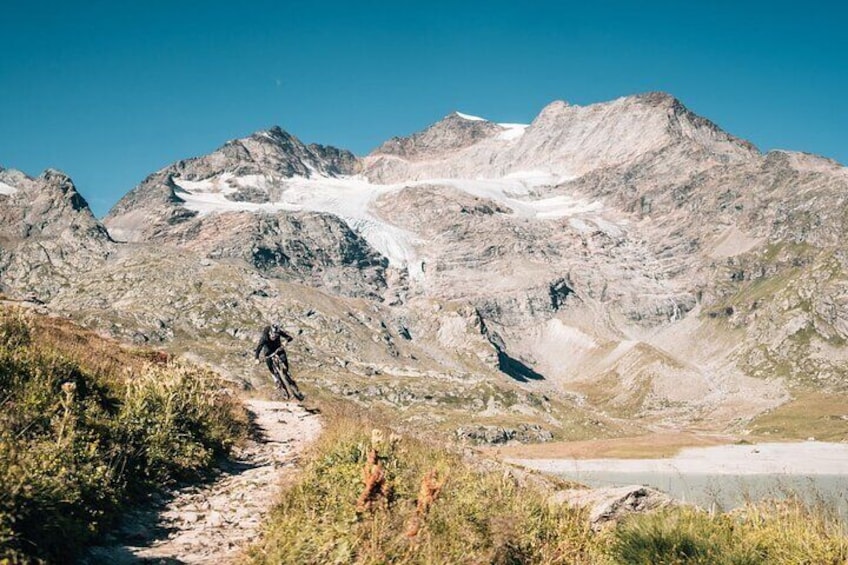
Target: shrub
x: 15, y: 329
x: 179, y: 419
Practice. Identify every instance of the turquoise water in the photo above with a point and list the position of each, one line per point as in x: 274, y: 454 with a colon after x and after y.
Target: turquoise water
x: 725, y: 492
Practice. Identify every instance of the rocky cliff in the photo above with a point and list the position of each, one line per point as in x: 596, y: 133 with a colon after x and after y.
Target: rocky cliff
x: 47, y: 233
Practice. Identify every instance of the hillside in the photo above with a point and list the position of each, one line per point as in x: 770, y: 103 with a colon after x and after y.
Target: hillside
x: 89, y: 426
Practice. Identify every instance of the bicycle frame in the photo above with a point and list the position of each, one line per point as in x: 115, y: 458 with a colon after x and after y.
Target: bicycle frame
x: 282, y: 378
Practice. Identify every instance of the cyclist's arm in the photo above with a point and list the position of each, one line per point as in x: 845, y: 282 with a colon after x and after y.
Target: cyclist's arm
x: 285, y: 335
x: 262, y: 342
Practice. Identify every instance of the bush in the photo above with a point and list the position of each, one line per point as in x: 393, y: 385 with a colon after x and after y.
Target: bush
x: 77, y: 443
x: 180, y: 420
x: 15, y: 328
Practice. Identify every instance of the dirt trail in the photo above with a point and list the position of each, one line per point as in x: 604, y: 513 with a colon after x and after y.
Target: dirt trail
x: 212, y: 523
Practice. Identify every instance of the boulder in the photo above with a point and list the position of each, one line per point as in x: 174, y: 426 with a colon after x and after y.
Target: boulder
x: 608, y: 505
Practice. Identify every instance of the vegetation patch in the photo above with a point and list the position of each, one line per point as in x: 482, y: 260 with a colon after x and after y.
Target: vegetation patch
x: 87, y: 427
x: 367, y: 495
x: 823, y: 416
x: 788, y: 532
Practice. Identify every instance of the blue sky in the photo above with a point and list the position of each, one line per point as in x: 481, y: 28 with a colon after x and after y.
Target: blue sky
x: 112, y: 91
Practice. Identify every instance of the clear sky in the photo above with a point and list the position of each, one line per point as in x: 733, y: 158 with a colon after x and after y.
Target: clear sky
x: 110, y: 91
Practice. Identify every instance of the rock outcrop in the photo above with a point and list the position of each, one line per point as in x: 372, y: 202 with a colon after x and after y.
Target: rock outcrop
x: 47, y: 233
x: 608, y: 506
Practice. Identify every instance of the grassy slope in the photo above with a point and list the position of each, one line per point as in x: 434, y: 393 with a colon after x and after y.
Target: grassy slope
x: 327, y: 516
x: 330, y: 515
x: 87, y: 426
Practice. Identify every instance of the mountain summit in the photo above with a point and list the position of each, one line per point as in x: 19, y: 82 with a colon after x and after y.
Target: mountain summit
x: 47, y: 232
x: 565, y: 140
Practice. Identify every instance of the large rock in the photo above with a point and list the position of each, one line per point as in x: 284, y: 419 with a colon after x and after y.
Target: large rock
x: 499, y: 435
x: 607, y: 506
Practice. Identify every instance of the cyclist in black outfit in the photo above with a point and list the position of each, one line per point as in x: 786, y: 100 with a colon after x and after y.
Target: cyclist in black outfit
x: 270, y: 345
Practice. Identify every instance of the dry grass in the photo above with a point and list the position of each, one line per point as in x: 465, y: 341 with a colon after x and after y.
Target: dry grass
x: 810, y: 414
x: 430, y: 507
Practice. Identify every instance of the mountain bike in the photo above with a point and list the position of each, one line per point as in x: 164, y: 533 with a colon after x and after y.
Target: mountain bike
x: 282, y: 378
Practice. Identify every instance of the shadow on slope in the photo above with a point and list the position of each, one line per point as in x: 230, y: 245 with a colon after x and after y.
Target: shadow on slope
x: 516, y: 369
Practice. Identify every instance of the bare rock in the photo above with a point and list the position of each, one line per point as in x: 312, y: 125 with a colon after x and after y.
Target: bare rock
x: 607, y: 506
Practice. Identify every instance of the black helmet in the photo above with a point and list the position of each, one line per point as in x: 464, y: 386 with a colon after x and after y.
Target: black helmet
x: 275, y: 329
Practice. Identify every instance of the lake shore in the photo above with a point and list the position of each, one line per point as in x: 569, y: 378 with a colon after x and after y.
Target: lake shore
x: 799, y: 458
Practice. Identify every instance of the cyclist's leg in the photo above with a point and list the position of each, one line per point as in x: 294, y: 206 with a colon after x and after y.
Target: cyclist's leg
x: 273, y: 366
x: 284, y: 365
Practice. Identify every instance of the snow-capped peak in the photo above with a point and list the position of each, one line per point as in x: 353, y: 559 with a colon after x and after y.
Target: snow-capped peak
x: 470, y: 118
x: 7, y: 189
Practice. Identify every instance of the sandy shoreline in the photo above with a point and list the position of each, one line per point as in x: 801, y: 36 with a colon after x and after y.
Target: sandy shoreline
x: 804, y: 458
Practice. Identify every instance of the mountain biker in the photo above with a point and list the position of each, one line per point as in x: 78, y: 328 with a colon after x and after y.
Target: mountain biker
x: 271, y: 345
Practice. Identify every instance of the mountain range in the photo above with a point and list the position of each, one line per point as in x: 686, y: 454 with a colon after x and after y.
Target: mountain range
x: 604, y: 270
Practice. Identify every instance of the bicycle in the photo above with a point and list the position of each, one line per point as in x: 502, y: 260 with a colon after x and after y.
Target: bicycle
x: 282, y: 378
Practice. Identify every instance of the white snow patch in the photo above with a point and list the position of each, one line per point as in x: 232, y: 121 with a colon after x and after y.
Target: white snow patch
x: 470, y: 117
x: 512, y: 131
x: 416, y: 270
x: 579, y: 225
x: 223, y: 184
x: 351, y: 199
x: 507, y: 190
x: 609, y: 228
x: 392, y: 242
x: 558, y: 332
x: 563, y: 206
x: 7, y: 189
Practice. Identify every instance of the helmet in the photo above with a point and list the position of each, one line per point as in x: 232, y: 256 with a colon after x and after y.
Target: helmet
x: 275, y: 329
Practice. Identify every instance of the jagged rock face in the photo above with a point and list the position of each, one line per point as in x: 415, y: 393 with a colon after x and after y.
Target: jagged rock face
x: 316, y: 249
x: 564, y: 140
x: 47, y: 232
x: 453, y: 133
x: 496, y: 435
x: 515, y: 268
x: 273, y: 153
x: 266, y: 158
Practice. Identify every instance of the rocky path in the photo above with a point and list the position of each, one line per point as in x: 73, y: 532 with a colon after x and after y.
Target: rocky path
x: 213, y: 523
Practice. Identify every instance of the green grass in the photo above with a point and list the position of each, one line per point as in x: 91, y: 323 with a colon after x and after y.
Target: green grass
x: 87, y: 427
x: 785, y: 533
